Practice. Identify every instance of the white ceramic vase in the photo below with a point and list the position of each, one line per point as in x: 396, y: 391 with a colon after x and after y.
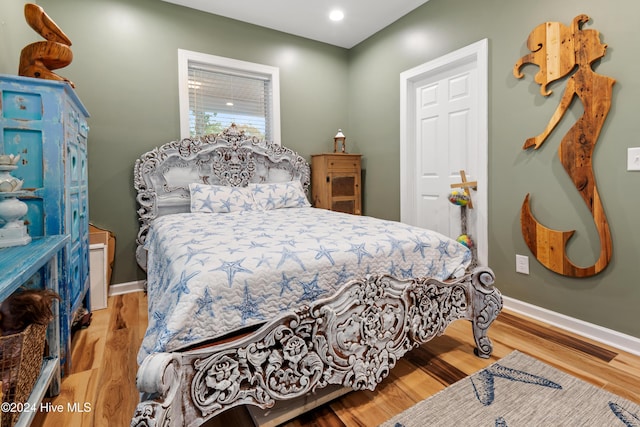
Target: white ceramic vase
x: 9, y: 183
x: 11, y: 210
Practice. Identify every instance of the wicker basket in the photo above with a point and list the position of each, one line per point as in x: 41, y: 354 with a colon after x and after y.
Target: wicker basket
x: 20, y: 363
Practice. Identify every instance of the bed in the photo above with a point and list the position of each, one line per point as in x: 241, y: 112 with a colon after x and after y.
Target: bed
x: 256, y: 297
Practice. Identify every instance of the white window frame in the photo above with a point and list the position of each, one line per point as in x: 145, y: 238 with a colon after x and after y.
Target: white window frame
x: 185, y: 56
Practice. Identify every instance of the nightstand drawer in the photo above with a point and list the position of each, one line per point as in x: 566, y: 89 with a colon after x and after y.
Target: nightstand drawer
x: 349, y: 164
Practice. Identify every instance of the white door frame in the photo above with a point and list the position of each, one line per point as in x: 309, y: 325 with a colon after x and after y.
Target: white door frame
x: 478, y: 53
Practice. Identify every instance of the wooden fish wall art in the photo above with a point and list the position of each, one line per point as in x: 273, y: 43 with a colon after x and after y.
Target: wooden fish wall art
x: 559, y: 50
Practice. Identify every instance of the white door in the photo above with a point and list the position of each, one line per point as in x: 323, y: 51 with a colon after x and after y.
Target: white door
x: 443, y: 131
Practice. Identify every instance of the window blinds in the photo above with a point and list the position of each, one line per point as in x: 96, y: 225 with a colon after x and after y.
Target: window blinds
x: 219, y: 97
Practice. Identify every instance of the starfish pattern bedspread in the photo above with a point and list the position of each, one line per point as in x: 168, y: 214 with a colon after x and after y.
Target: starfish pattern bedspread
x: 211, y: 274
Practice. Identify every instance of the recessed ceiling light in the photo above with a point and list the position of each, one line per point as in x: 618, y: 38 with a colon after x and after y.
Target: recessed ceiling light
x: 336, y: 15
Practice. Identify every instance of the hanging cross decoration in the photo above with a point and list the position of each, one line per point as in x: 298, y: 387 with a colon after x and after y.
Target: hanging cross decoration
x: 465, y: 185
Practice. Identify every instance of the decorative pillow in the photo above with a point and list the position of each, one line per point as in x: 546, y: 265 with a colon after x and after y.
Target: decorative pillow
x: 220, y: 198
x: 279, y: 195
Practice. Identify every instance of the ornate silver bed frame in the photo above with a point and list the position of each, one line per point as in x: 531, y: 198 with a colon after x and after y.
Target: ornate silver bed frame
x: 162, y: 176
x: 353, y: 338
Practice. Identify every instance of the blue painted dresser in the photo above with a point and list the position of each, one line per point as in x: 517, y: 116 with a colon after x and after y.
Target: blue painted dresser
x: 44, y: 122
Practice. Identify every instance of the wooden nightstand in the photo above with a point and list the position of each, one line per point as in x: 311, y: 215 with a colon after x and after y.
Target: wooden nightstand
x: 335, y: 182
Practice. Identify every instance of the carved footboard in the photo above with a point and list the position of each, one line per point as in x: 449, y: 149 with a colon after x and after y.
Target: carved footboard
x: 353, y: 339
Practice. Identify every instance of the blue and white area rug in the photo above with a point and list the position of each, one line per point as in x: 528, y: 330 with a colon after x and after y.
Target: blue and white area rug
x: 519, y: 390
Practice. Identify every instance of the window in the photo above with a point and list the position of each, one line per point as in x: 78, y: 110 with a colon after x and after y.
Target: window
x: 215, y: 92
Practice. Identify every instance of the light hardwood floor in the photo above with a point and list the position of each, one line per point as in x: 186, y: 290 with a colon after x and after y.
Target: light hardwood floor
x: 104, y: 369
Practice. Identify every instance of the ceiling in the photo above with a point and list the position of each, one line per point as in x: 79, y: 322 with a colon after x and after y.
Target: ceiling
x: 310, y: 18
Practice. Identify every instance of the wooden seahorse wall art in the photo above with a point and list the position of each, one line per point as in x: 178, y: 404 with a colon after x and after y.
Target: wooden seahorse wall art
x: 39, y: 58
x: 559, y: 50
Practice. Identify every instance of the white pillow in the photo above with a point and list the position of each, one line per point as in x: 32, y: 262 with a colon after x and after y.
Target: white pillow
x: 279, y: 195
x: 220, y: 198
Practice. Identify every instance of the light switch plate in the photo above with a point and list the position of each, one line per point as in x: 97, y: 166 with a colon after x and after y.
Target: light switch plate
x: 633, y: 159
x: 522, y: 264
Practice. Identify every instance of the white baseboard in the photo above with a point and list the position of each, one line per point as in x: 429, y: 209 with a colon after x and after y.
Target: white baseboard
x: 127, y: 287
x: 606, y: 336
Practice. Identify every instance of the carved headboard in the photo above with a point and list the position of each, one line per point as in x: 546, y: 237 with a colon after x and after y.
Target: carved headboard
x: 162, y: 175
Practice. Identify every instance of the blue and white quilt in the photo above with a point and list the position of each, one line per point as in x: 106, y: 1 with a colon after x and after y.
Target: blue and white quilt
x: 213, y: 273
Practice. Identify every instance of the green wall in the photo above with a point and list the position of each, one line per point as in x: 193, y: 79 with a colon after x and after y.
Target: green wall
x: 125, y: 70
x: 14, y: 35
x: 126, y: 73
x: 518, y: 111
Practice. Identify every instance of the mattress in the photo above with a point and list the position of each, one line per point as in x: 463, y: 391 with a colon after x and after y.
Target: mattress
x: 210, y: 274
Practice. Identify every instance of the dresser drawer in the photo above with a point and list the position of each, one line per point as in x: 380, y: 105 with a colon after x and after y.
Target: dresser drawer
x: 21, y: 105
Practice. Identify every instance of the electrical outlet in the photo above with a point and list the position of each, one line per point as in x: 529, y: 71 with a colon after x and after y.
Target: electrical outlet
x: 633, y: 159
x: 522, y: 264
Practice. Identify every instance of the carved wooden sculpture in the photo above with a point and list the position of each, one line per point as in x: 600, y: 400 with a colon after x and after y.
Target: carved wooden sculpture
x: 557, y: 50
x: 39, y: 58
